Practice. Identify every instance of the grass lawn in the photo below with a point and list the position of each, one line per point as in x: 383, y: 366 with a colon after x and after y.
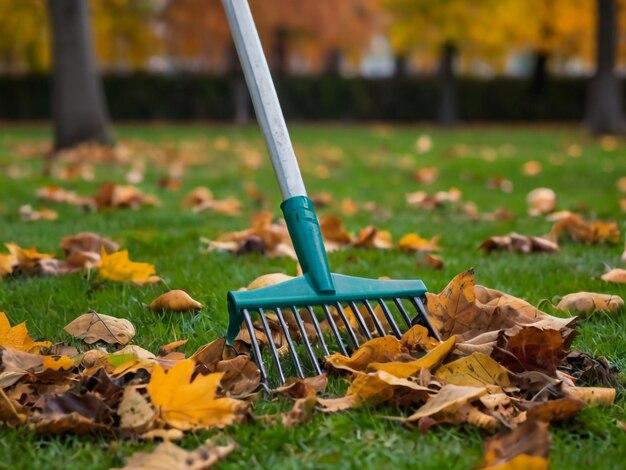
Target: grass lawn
x: 364, y: 164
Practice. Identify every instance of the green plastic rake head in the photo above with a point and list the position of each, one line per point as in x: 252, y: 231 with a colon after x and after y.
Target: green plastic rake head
x: 318, y: 292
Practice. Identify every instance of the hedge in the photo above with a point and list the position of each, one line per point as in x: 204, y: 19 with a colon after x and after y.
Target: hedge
x: 191, y: 97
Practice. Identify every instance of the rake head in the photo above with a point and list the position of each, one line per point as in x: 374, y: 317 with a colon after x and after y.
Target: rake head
x: 359, y: 309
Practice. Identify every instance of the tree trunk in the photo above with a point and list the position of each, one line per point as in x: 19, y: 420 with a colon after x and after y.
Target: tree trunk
x: 78, y: 106
x: 447, y: 82
x: 333, y: 62
x: 540, y: 73
x: 239, y: 90
x: 604, y: 99
x: 280, y: 52
x: 401, y: 66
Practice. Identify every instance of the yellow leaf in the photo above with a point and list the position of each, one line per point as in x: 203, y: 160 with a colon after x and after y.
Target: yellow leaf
x: 17, y: 337
x: 186, y: 404
x: 407, y: 369
x: 414, y: 242
x: 375, y: 350
x: 594, y: 396
x: 475, y: 371
x: 7, y: 263
x: 616, y: 275
x: 117, y: 267
x: 523, y: 462
x: 58, y: 363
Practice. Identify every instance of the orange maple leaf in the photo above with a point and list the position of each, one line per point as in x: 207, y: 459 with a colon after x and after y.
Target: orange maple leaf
x: 17, y: 337
x: 184, y: 403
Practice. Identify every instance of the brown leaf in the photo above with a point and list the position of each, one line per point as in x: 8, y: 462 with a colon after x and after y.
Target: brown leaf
x: 333, y: 229
x: 173, y: 346
x: 585, y: 231
x: 93, y: 326
x: 241, y: 376
x: 176, y: 301
x: 89, y: 242
x: 302, y: 388
x: 69, y: 412
x: 113, y: 196
x: 590, y: 302
x: 372, y: 237
x: 416, y: 338
x: 302, y: 411
x: 531, y: 349
x: 525, y: 447
x: 593, y: 396
x: 11, y: 412
x: 168, y: 456
x: 269, y: 280
x: 135, y: 411
x: 29, y: 261
x: 516, y: 243
x: 450, y: 397
x: 560, y: 409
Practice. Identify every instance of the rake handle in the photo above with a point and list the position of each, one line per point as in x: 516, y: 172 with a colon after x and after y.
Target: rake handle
x: 264, y: 98
x: 298, y: 209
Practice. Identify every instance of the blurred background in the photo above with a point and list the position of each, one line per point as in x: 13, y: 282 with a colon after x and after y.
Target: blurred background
x: 443, y: 61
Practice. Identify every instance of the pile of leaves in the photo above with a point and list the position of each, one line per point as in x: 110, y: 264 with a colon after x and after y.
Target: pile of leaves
x: 503, y: 365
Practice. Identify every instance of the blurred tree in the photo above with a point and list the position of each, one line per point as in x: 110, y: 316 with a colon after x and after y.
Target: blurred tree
x: 605, y: 114
x: 24, y: 39
x: 125, y: 32
x: 448, y: 28
x: 78, y: 106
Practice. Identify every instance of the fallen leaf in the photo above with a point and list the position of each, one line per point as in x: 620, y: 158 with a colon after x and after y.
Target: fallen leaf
x: 414, y: 242
x: 525, y: 447
x: 560, y: 409
x: 617, y: 276
x: 427, y: 175
x: 476, y: 370
x: 593, y: 396
x: 302, y: 411
x: 94, y: 326
x: 516, y: 243
x: 11, y: 412
x: 113, y: 196
x: 333, y: 229
x: 163, y: 434
x: 168, y: 456
x: 410, y: 368
x: 383, y: 349
x: 591, y: 232
x: 135, y: 411
x: 7, y: 263
x: 541, y: 201
x: 268, y: 280
x: 176, y: 301
x: 29, y: 261
x: 532, y: 168
x: 117, y: 267
x: 450, y: 397
x: 372, y: 237
x: 186, y: 403
x: 590, y: 302
x: 302, y: 388
x: 28, y: 214
x: 17, y: 337
x: 87, y: 242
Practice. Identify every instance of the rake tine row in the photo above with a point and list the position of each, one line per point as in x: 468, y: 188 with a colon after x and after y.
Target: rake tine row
x: 310, y: 343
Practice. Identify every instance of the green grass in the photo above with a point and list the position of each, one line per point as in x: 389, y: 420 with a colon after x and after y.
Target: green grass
x: 377, y: 165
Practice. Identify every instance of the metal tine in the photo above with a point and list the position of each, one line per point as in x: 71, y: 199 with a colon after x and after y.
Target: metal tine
x: 318, y: 330
x: 292, y: 349
x: 333, y: 327
x: 377, y: 324
x: 360, y: 320
x: 405, y: 315
x: 305, y: 339
x: 273, y: 349
x: 255, y: 345
x: 349, y: 329
x: 390, y: 319
x: 423, y: 318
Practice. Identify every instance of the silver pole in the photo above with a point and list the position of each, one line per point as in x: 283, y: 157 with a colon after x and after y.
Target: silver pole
x: 266, y: 105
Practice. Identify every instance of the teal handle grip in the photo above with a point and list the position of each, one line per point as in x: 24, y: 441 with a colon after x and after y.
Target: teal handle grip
x: 306, y: 236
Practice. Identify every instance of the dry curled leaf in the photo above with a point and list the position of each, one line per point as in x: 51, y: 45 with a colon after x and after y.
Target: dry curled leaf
x: 175, y: 300
x: 268, y: 280
x: 383, y: 349
x: 616, y: 275
x: 516, y: 243
x: 168, y: 456
x: 541, y: 201
x: 449, y: 398
x: 414, y: 242
x: 94, y: 326
x: 590, y: 302
x: 185, y: 402
x: 525, y: 447
x: 581, y: 230
x: 135, y: 411
x: 476, y: 370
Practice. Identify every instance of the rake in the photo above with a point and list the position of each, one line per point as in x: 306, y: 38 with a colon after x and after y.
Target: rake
x: 355, y: 309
